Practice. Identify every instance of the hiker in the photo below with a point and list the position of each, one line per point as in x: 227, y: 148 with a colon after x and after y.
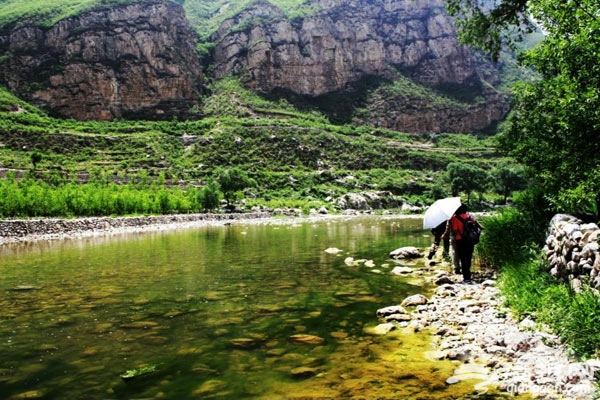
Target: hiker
x: 463, y: 249
x: 437, y: 233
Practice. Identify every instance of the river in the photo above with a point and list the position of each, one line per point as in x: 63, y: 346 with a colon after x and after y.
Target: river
x: 215, y: 312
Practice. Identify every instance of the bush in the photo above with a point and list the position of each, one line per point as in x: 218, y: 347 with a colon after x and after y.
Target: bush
x: 508, y: 238
x: 209, y: 196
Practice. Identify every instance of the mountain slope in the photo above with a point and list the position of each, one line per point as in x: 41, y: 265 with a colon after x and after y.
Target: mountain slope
x: 136, y: 59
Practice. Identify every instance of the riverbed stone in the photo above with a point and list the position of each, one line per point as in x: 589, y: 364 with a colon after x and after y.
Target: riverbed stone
x: 339, y: 335
x: 306, y: 339
x: 303, y: 372
x: 405, y: 252
x: 209, y: 387
x: 244, y: 343
x: 382, y: 312
x: 402, y: 270
x: 415, y: 300
x: 140, y: 325
x: 31, y: 394
x: 381, y: 329
x: 23, y: 288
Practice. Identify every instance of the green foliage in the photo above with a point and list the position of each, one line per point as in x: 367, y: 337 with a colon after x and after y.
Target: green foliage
x: 530, y: 290
x: 47, y: 12
x: 35, y: 159
x: 209, y: 196
x: 35, y: 198
x: 583, y: 199
x: 578, y: 323
x: 509, y: 177
x: 466, y: 178
x: 526, y: 287
x: 508, y: 237
x: 553, y: 125
x: 207, y: 15
x: 492, y: 28
x: 232, y: 181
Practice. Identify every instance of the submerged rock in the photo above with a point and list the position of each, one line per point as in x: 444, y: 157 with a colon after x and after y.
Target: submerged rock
x: 245, y: 343
x: 402, y: 270
x: 306, y: 339
x: 209, y: 387
x: 406, y: 252
x: 140, y: 325
x: 415, y: 300
x: 332, y: 250
x: 22, y: 288
x: 381, y: 329
x: 303, y: 372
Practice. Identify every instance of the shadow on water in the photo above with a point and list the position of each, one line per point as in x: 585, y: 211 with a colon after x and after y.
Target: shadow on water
x: 239, y: 311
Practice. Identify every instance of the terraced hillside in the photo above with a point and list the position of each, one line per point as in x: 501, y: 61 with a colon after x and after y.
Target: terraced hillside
x: 289, y: 154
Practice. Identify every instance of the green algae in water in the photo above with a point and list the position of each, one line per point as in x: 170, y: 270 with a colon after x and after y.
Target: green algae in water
x: 134, y: 373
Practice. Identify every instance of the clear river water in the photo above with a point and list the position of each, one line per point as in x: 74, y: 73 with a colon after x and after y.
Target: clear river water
x: 216, y: 312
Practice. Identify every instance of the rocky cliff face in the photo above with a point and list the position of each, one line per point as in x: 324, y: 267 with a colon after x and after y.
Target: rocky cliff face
x: 136, y: 60
x: 349, y: 40
x: 139, y: 60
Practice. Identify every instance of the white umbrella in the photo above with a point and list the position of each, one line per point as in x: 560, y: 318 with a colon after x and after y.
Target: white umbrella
x: 440, y: 211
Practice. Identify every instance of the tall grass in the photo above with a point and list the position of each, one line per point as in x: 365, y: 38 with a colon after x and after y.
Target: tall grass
x: 509, y: 245
x: 508, y: 238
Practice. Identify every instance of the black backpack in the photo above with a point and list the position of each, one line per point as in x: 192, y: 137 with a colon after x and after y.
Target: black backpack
x: 471, y: 231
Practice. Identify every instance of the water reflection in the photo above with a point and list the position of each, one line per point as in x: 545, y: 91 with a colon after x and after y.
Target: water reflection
x: 238, y: 311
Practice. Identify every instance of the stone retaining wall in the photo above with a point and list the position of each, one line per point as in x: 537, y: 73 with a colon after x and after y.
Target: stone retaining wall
x: 22, y: 228
x: 572, y: 251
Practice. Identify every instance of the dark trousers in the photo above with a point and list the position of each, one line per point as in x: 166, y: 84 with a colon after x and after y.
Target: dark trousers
x: 464, y: 252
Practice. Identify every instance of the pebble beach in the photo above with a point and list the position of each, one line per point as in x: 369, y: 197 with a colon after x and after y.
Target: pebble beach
x: 470, y: 326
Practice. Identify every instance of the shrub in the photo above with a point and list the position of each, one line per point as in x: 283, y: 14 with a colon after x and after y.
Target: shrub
x: 209, y: 196
x: 507, y: 238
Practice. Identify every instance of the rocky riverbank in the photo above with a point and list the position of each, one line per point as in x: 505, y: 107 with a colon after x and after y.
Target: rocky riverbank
x: 23, y: 230
x: 12, y: 231
x: 470, y: 326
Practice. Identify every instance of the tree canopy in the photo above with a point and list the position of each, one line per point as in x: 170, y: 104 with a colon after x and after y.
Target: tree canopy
x: 554, y: 123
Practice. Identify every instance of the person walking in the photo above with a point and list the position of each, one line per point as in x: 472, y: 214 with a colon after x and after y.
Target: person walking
x: 463, y: 249
x: 437, y: 233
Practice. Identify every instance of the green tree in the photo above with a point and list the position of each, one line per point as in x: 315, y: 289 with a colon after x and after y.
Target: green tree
x: 492, y: 28
x: 466, y: 178
x: 554, y: 124
x: 508, y: 177
x: 209, y: 196
x: 35, y: 159
x: 232, y: 181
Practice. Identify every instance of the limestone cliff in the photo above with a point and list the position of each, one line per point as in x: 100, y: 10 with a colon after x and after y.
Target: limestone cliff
x: 348, y: 40
x: 140, y: 60
x: 136, y: 60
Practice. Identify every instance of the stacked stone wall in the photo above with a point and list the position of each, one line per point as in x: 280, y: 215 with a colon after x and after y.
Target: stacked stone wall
x: 572, y: 250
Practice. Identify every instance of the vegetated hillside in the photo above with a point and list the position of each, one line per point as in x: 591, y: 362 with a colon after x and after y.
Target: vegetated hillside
x: 292, y: 156
x: 106, y: 60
